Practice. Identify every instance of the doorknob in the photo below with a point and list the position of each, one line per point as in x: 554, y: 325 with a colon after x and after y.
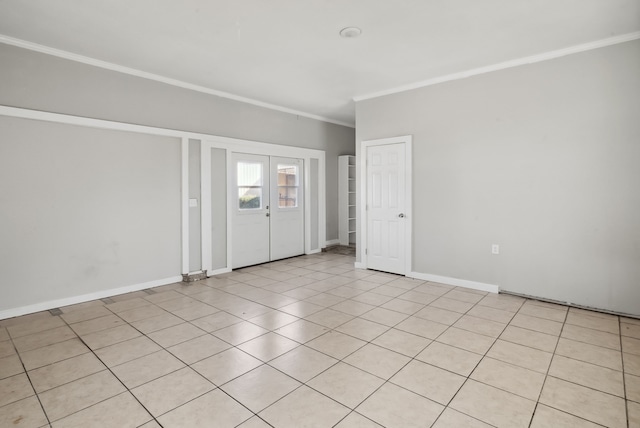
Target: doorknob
x: 401, y: 215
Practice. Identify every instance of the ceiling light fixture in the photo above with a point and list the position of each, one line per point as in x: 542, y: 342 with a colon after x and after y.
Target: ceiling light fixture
x: 350, y: 32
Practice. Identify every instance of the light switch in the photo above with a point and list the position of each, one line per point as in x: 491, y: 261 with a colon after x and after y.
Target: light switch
x: 193, y: 203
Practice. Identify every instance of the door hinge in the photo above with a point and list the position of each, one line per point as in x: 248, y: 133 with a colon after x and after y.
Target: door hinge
x: 365, y: 252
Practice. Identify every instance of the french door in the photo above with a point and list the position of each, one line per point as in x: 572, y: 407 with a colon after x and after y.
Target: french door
x: 268, y: 214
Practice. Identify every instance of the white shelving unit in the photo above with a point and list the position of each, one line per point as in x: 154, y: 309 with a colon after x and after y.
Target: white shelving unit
x: 347, y: 199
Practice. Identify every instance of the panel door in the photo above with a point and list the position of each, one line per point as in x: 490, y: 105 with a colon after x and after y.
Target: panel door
x: 250, y: 212
x: 385, y: 208
x: 287, y: 208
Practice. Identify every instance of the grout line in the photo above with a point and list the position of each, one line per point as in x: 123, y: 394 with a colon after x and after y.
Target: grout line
x: 546, y: 375
x: 26, y: 373
x: 477, y: 364
x: 385, y: 381
x: 586, y: 387
x: 624, y: 378
x: 127, y: 390
x: 245, y: 289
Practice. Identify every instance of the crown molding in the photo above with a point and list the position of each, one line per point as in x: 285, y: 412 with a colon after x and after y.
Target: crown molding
x: 503, y: 65
x: 158, y: 78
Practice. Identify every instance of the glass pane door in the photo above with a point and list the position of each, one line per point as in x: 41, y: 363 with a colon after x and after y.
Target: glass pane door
x: 250, y: 185
x: 288, y: 183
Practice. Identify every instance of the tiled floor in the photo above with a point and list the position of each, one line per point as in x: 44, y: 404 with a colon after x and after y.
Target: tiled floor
x: 312, y: 342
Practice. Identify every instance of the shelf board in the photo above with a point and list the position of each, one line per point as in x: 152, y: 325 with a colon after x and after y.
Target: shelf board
x: 352, y: 218
x: 352, y: 231
x: 351, y: 205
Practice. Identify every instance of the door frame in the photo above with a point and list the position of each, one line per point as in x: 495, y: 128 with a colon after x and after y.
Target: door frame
x: 233, y: 145
x: 361, y: 220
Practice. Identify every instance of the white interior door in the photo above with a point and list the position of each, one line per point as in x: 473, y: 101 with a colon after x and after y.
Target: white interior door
x: 268, y: 215
x: 287, y: 208
x: 386, y: 216
x: 250, y: 213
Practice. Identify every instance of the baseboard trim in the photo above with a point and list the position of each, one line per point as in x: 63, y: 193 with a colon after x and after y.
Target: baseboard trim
x: 359, y: 265
x: 456, y: 282
x: 220, y: 271
x: 569, y: 304
x: 330, y: 242
x: 194, y: 276
x: 51, y: 304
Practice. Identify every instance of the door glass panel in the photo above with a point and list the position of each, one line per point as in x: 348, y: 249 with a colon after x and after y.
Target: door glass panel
x: 288, y: 186
x: 249, y: 185
x: 249, y: 198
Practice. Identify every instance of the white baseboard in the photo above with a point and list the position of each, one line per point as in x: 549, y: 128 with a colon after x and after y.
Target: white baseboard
x: 58, y: 303
x: 455, y: 281
x: 332, y: 242
x: 359, y: 265
x: 220, y: 271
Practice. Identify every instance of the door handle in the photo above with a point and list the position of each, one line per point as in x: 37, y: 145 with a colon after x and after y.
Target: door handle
x: 267, y: 214
x: 401, y: 215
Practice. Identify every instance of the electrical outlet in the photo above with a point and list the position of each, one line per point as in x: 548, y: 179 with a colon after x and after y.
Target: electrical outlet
x: 495, y: 249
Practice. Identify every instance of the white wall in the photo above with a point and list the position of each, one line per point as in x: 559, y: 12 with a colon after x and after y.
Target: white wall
x: 42, y: 82
x: 542, y: 159
x: 219, y: 208
x: 84, y: 210
x: 195, y: 229
x: 92, y: 238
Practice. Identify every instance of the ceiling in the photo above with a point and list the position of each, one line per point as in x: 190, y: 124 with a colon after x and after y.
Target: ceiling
x: 288, y: 53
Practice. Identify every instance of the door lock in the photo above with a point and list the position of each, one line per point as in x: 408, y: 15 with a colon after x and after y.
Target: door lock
x: 267, y: 214
x: 401, y: 215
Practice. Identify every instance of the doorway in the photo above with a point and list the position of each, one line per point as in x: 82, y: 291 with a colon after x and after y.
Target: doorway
x: 386, y: 225
x: 268, y: 212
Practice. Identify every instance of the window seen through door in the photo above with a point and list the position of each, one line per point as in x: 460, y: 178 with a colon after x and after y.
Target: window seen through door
x: 287, y: 186
x: 250, y: 185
